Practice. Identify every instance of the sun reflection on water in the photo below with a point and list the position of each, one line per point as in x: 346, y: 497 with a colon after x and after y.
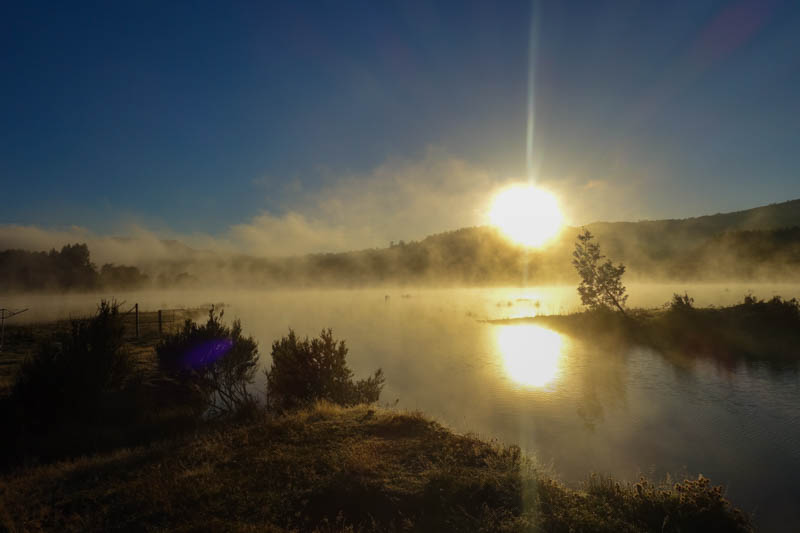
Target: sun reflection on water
x: 532, y: 355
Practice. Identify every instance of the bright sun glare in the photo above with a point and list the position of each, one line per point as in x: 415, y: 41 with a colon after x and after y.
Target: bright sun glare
x: 531, y: 354
x: 526, y: 215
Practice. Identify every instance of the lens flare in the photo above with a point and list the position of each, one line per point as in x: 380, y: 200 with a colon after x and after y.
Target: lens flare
x: 207, y: 352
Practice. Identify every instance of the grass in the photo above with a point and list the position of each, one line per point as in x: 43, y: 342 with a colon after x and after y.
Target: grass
x: 334, y: 469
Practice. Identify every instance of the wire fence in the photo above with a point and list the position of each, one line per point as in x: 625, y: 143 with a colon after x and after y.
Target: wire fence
x: 142, y: 330
x: 4, y: 315
x: 145, y: 324
x: 142, y: 324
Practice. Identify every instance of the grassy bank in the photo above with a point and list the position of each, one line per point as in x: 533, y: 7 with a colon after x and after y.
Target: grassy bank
x: 334, y: 469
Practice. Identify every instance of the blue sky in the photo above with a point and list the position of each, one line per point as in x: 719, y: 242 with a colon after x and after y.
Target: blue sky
x: 225, y: 119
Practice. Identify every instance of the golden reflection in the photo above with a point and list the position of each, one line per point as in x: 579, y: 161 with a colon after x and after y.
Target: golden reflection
x: 531, y: 354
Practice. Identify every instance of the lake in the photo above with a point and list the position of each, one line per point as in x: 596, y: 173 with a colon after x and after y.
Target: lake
x: 572, y: 406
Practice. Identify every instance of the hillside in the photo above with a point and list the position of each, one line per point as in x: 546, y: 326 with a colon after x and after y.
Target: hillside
x: 656, y: 246
x: 762, y: 243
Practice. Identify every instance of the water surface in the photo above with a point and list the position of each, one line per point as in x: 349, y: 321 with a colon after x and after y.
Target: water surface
x: 574, y: 406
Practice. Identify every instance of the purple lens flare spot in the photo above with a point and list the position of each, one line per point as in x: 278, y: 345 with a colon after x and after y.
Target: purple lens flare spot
x: 207, y: 352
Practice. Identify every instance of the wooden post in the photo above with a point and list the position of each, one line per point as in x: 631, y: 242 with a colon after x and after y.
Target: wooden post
x: 159, y: 323
x: 136, y: 306
x: 2, y: 328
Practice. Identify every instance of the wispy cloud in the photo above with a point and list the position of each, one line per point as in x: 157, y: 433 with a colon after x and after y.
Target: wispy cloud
x: 400, y: 199
x: 397, y: 200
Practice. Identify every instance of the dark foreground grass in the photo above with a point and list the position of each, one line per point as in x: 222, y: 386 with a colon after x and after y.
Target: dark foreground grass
x: 334, y: 469
x: 50, y: 422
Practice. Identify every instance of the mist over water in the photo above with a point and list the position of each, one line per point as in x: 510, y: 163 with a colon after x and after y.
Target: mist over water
x: 575, y: 407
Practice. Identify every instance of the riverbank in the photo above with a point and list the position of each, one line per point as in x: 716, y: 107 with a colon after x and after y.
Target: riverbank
x: 334, y: 469
x: 753, y: 331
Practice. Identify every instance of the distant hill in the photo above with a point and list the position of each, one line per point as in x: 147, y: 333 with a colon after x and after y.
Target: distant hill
x: 683, y: 247
x: 768, y: 217
x: 666, y: 237
x: 761, y: 243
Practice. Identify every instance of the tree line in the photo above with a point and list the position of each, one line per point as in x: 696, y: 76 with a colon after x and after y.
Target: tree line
x: 67, y: 269
x: 468, y: 256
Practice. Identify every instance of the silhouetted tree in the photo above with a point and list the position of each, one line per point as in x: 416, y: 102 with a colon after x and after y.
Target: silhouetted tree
x: 304, y: 371
x: 681, y: 303
x: 601, y: 283
x: 122, y: 277
x: 75, y: 269
x: 67, y: 269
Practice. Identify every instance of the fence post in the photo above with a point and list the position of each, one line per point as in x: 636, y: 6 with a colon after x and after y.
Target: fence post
x: 4, y: 314
x: 2, y: 328
x: 159, y: 323
x: 136, y: 306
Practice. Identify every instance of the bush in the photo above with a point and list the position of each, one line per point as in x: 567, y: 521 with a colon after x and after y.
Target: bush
x: 214, y: 363
x: 776, y: 305
x: 72, y: 373
x: 689, y: 506
x: 681, y: 303
x: 306, y: 371
x: 775, y: 315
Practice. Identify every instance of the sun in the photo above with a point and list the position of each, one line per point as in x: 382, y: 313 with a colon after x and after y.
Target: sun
x: 526, y: 215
